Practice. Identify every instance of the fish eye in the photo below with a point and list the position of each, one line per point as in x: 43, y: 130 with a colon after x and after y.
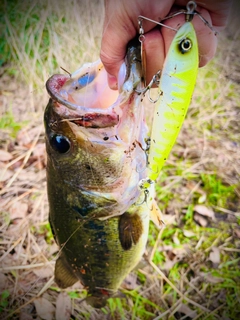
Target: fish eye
x: 185, y: 45
x: 60, y: 143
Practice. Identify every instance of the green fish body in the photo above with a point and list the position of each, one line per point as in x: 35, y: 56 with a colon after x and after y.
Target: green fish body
x: 96, y: 158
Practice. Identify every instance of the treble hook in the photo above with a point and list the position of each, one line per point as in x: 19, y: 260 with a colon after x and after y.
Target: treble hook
x: 146, y: 149
x: 155, y: 80
x: 145, y: 185
x: 146, y: 194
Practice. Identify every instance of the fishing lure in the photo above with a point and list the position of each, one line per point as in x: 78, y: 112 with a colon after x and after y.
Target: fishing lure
x: 176, y: 83
x: 176, y: 86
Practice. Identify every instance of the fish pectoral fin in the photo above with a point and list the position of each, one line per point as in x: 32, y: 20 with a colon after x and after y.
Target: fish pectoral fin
x: 64, y: 277
x: 130, y: 229
x: 156, y: 215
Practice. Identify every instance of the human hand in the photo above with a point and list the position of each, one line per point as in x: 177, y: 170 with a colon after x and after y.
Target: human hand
x: 121, y: 25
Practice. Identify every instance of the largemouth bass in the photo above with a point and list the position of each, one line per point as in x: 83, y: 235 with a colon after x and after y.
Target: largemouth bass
x: 95, y: 140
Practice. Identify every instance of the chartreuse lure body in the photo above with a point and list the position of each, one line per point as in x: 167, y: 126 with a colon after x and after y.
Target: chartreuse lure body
x: 176, y: 86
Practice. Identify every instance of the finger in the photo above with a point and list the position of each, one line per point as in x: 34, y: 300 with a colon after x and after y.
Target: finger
x: 118, y: 30
x: 121, y: 25
x: 155, y: 53
x: 207, y: 39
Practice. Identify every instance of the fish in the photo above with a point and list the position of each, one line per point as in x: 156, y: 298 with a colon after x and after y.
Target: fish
x: 176, y: 86
x: 96, y: 157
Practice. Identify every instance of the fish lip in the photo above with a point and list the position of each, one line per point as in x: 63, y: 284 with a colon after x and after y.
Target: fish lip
x: 53, y: 85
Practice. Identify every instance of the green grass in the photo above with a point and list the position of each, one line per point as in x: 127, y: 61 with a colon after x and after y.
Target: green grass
x: 218, y: 194
x: 8, y: 123
x: 36, y: 43
x: 43, y: 230
x: 39, y: 38
x: 4, y: 300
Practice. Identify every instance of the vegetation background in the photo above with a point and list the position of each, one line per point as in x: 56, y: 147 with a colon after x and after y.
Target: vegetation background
x: 191, y: 267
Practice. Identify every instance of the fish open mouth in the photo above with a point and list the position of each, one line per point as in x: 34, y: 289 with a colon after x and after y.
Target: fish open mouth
x: 85, y: 98
x: 84, y: 101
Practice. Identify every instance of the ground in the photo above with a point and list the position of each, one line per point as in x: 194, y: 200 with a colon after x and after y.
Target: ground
x: 190, y: 269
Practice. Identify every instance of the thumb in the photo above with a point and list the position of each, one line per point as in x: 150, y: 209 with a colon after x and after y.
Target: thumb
x: 118, y: 30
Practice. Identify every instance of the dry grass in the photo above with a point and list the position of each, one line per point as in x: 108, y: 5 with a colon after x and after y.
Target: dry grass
x: 190, y: 269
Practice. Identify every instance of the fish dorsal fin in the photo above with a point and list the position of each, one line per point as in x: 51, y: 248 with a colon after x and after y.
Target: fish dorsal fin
x: 156, y: 214
x: 130, y: 229
x: 64, y: 277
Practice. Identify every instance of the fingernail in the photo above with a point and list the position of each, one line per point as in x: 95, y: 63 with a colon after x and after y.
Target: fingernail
x: 112, y: 82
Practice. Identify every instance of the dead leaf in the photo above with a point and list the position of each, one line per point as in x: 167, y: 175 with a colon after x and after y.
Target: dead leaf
x: 215, y: 256
x: 204, y: 211
x: 18, y: 210
x: 26, y: 136
x: 31, y: 175
x: 173, y: 256
x: 165, y: 247
x: 236, y: 232
x: 5, y: 155
x: 39, y: 150
x: 130, y: 282
x: 3, y: 282
x: 210, y: 278
x: 176, y: 240
x: 183, y: 308
x: 13, y: 229
x: 170, y: 255
x: 188, y: 233
x: 5, y: 174
x: 200, y: 219
x: 63, y: 307
x: 202, y: 198
x: 44, y: 308
x: 181, y: 251
x: 44, y: 272
x: 77, y: 286
x: 169, y: 264
x: 53, y: 248
x: 39, y: 156
x: 25, y: 316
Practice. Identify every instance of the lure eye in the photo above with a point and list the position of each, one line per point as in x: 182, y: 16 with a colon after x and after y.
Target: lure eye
x: 185, y: 45
x: 60, y: 143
